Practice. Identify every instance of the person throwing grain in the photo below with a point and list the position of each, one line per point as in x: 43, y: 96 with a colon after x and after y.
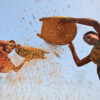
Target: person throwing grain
x: 91, y: 38
x: 6, y: 64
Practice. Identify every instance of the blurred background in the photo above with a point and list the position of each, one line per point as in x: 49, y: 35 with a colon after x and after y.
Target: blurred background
x: 54, y: 78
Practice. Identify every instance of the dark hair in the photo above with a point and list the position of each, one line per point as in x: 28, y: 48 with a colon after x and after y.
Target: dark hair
x: 12, y: 41
x: 90, y: 32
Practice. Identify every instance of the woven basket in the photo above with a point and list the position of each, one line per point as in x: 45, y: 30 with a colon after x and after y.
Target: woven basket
x: 57, y: 33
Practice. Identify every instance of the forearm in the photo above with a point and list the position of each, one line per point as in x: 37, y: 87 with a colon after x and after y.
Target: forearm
x: 84, y: 21
x: 78, y: 61
x: 75, y: 57
x: 4, y: 42
x: 16, y: 69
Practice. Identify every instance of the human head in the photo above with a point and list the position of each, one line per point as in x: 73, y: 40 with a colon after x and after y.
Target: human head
x: 91, y: 37
x: 12, y: 41
x: 8, y: 49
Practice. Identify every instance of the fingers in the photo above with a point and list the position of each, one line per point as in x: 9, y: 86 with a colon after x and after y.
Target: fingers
x: 38, y: 35
x: 69, y: 46
x: 41, y: 19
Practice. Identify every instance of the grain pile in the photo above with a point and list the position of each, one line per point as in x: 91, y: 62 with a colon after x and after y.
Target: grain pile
x: 30, y: 52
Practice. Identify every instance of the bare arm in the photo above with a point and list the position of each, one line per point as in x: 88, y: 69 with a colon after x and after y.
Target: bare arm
x: 75, y: 57
x: 85, y: 21
x: 7, y: 43
x: 4, y: 42
x: 16, y: 69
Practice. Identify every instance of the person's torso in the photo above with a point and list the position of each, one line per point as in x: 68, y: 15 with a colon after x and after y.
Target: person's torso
x: 5, y: 63
x: 95, y: 53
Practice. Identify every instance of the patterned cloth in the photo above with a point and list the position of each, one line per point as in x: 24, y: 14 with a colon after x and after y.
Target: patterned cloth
x: 98, y: 71
x: 95, y: 53
x: 95, y: 56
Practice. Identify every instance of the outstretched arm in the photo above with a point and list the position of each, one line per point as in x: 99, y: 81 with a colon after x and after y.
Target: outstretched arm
x: 16, y: 69
x: 7, y: 43
x: 4, y: 42
x: 85, y: 21
x: 75, y: 57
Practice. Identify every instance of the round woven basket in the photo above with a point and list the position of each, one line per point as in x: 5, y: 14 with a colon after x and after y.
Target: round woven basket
x: 57, y: 33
